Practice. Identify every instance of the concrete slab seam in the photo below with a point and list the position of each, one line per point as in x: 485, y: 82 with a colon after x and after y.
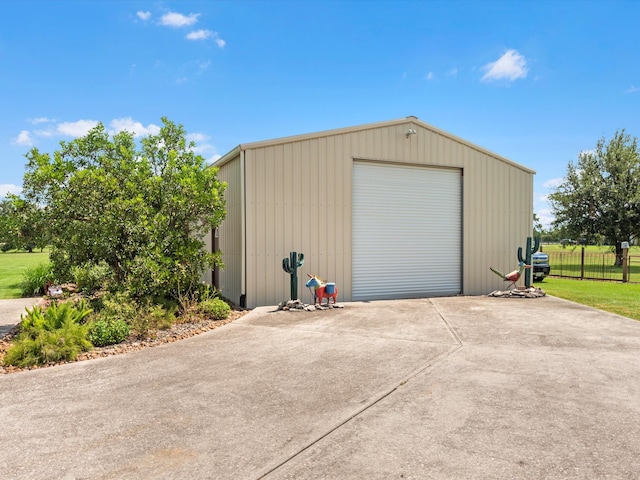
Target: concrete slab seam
x: 451, y: 330
x: 432, y: 363
x: 429, y: 365
x: 326, y: 434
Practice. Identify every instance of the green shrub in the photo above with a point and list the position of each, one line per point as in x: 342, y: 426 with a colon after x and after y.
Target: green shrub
x: 108, y: 331
x: 215, y: 308
x: 90, y: 277
x: 152, y: 316
x: 34, y: 279
x: 160, y: 317
x: 205, y: 292
x: 52, y: 335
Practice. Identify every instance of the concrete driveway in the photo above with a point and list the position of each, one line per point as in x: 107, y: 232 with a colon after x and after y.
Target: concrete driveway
x: 11, y: 310
x: 458, y: 387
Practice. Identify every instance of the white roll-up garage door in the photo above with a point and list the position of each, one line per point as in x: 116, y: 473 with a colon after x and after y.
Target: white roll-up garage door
x: 407, y: 231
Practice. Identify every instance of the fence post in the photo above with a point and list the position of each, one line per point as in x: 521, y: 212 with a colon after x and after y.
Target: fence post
x: 582, y: 264
x: 625, y: 258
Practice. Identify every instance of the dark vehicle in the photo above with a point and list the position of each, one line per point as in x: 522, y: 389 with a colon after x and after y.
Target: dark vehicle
x: 541, y: 266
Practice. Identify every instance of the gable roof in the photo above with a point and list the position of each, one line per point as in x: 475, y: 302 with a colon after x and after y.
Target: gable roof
x: 359, y: 128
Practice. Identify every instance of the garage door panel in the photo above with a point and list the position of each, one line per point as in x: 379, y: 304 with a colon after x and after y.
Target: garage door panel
x: 406, y: 231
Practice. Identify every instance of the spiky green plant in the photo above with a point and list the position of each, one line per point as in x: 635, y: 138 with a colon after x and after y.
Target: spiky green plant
x: 52, y: 335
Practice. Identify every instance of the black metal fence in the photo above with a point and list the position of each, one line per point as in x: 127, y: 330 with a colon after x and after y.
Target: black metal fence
x: 592, y: 266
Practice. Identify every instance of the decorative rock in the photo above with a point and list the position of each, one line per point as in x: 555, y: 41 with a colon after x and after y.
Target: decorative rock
x: 297, y: 306
x: 532, y: 292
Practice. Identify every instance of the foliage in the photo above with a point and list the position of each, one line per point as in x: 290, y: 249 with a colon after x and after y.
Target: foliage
x: 21, y: 225
x: 34, y: 279
x: 116, y: 306
x: 142, y: 210
x: 600, y: 195
x: 108, y: 331
x: 141, y: 315
x: 152, y: 317
x: 538, y: 229
x: 50, y: 335
x: 205, y: 292
x: 90, y: 276
x: 215, y: 308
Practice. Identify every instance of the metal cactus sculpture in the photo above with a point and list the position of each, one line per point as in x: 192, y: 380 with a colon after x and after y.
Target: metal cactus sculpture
x: 527, y: 258
x: 291, y: 265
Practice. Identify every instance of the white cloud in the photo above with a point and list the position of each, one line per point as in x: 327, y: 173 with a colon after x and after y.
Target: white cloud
x: 177, y: 20
x: 197, y: 137
x: 509, y: 66
x: 206, y: 34
x: 36, y: 121
x: 632, y: 89
x: 23, y: 138
x: 44, y: 133
x: 144, y: 16
x: 429, y: 76
x: 6, y: 188
x: 453, y: 72
x: 203, y: 147
x: 76, y: 129
x: 553, y: 182
x: 200, y: 35
x: 120, y: 124
x: 545, y: 215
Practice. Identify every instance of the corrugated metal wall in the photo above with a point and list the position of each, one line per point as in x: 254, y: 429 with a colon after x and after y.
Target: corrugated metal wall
x: 298, y: 197
x: 230, y: 232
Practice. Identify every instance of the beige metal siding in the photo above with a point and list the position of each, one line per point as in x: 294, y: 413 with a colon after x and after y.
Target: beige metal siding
x: 299, y: 197
x: 230, y: 232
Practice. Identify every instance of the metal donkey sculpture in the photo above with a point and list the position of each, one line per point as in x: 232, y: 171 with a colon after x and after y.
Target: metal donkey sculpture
x: 322, y: 290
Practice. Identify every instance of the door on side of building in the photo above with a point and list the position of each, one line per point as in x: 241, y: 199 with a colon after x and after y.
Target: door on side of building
x: 407, y: 231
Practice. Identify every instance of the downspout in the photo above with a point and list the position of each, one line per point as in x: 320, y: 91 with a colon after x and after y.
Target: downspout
x: 243, y: 239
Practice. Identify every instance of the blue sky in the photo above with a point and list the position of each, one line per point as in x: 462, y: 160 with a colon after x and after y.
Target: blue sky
x: 536, y: 82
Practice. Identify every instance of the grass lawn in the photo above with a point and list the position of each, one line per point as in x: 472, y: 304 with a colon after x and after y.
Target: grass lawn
x: 12, y: 264
x: 614, y: 297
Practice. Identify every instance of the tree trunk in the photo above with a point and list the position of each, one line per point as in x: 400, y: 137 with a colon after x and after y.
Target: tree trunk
x: 618, y: 262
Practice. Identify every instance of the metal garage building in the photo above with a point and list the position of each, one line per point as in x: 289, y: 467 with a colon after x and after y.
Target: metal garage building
x: 396, y: 209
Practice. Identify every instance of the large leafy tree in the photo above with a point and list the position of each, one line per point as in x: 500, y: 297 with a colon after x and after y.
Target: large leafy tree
x: 142, y: 209
x: 600, y: 194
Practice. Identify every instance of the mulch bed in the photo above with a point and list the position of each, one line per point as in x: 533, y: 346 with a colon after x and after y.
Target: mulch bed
x: 178, y: 331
